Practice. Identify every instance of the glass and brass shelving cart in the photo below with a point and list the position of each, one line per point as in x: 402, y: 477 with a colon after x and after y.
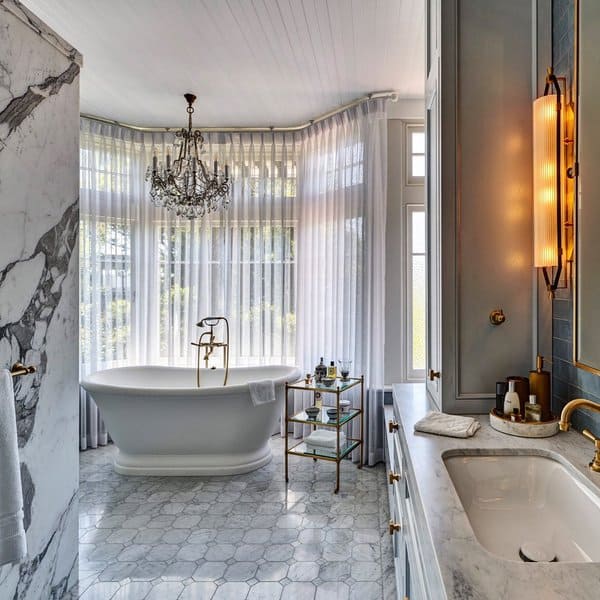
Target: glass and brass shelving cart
x: 338, y: 453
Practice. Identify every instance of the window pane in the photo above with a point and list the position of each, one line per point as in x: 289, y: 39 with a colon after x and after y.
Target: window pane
x: 418, y: 142
x: 418, y: 232
x: 418, y: 312
x: 418, y: 166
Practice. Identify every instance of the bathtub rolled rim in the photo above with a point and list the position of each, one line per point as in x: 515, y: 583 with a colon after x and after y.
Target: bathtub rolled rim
x: 91, y: 383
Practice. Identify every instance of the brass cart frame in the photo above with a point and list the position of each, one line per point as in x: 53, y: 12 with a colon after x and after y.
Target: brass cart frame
x: 300, y: 449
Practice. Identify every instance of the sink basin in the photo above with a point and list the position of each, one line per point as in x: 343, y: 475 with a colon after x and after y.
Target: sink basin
x: 522, y: 504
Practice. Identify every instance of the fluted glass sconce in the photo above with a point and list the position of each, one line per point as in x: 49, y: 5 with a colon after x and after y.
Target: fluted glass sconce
x: 549, y: 142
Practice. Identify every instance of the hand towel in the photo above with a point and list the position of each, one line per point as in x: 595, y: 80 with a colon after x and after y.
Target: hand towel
x: 13, y: 545
x: 450, y: 425
x: 324, y: 439
x: 262, y: 392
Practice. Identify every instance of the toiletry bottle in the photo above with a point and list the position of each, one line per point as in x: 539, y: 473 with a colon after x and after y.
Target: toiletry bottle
x: 318, y: 400
x: 320, y: 371
x: 522, y: 389
x: 539, y: 381
x: 533, y: 411
x: 331, y: 371
x: 511, y: 399
x: 501, y: 389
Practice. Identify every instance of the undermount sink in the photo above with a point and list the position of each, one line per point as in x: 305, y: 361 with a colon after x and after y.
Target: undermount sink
x: 527, y: 506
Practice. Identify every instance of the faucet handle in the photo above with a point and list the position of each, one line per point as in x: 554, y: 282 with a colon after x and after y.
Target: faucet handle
x: 590, y: 436
x: 595, y: 464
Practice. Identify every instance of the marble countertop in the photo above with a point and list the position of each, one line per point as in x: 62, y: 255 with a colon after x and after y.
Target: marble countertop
x: 466, y: 571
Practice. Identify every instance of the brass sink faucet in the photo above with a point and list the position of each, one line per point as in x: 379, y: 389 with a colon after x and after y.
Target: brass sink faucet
x: 565, y: 424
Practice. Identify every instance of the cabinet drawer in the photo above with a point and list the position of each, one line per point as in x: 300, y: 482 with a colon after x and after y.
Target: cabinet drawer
x: 417, y: 589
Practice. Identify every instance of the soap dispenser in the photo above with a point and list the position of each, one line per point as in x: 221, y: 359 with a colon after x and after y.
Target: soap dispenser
x: 539, y: 384
x: 511, y: 400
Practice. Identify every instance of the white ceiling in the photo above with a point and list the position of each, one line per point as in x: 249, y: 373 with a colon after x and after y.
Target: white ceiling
x: 250, y: 62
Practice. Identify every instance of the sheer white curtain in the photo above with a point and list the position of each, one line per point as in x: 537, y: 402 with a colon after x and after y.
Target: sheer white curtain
x: 342, y: 188
x: 296, y: 263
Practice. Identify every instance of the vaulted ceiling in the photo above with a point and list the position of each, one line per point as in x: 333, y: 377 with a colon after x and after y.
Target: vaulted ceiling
x: 250, y: 62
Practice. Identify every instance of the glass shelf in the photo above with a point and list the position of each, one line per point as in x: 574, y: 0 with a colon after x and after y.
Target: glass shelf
x: 339, y: 385
x: 302, y: 449
x: 322, y: 419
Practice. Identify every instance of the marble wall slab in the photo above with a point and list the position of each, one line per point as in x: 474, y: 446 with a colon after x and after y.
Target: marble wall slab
x: 39, y: 219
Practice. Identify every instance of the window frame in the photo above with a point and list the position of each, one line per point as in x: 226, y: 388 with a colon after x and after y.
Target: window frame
x: 412, y: 374
x: 411, y: 179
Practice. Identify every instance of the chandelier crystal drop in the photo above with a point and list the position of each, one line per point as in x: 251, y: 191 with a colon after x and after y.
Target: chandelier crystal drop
x: 187, y: 186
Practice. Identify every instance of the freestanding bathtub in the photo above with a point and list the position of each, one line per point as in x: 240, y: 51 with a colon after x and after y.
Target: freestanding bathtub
x: 162, y: 424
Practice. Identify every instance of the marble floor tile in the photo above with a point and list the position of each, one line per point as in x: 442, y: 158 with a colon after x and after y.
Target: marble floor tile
x: 265, y: 590
x: 242, y: 537
x: 134, y: 590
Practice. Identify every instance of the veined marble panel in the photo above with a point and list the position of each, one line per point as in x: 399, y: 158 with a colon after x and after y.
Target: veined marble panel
x: 39, y: 219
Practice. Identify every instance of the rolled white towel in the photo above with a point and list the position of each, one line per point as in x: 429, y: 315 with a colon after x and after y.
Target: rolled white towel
x: 322, y: 438
x: 449, y: 425
x: 262, y: 392
x: 13, y: 545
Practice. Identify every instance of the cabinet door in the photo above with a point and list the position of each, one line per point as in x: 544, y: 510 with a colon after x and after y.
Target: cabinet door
x: 414, y: 576
x: 399, y: 550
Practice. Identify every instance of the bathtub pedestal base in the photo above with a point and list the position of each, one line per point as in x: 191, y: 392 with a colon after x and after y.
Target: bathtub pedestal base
x: 191, y: 464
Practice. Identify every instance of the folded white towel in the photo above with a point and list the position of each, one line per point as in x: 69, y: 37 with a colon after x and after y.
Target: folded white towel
x: 325, y: 439
x: 13, y: 545
x: 450, y: 425
x: 262, y: 392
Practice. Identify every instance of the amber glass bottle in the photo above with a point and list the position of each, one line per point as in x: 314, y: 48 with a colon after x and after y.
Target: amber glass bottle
x: 539, y: 384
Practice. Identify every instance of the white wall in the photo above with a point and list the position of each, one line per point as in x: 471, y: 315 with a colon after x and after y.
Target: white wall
x: 39, y: 221
x: 399, y: 195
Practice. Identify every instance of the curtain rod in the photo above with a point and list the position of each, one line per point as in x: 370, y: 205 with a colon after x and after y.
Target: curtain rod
x: 392, y: 95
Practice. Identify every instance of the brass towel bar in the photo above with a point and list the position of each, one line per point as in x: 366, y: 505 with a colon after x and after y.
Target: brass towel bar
x: 20, y: 369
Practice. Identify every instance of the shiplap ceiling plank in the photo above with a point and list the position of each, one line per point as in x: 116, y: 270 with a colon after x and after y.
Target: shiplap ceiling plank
x: 250, y: 62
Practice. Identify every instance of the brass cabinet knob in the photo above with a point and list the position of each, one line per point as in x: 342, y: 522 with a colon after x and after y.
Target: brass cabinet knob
x: 392, y: 426
x: 497, y: 316
x: 433, y: 374
x: 393, y: 477
x: 394, y: 527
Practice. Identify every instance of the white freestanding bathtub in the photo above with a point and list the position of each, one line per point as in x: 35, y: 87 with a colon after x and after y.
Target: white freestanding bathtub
x: 162, y: 424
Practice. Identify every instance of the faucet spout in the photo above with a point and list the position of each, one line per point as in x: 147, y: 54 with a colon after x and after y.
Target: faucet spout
x: 567, y: 411
x: 565, y: 424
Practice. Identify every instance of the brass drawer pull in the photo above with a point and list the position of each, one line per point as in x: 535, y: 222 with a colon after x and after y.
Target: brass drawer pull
x: 392, y: 426
x: 393, y: 527
x: 433, y: 374
x: 393, y: 477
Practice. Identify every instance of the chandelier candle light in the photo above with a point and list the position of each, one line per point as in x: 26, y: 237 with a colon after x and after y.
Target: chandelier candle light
x: 187, y: 186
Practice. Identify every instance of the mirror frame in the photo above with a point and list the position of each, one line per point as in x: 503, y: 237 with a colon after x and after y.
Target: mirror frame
x: 575, y: 271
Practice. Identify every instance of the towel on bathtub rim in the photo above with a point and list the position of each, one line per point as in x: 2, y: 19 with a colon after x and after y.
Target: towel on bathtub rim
x: 262, y: 391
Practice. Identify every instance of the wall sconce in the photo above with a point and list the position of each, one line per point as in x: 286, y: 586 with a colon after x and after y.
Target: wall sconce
x: 550, y: 145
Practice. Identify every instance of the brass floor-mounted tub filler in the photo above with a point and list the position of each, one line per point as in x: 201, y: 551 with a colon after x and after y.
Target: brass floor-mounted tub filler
x: 207, y: 343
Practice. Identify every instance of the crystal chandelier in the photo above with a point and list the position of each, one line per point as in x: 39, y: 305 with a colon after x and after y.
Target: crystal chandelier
x: 187, y: 186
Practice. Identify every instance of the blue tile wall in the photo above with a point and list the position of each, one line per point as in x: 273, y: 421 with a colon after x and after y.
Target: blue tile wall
x: 568, y: 381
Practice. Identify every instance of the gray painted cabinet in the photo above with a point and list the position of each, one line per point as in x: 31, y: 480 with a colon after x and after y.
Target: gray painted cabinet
x: 479, y: 208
